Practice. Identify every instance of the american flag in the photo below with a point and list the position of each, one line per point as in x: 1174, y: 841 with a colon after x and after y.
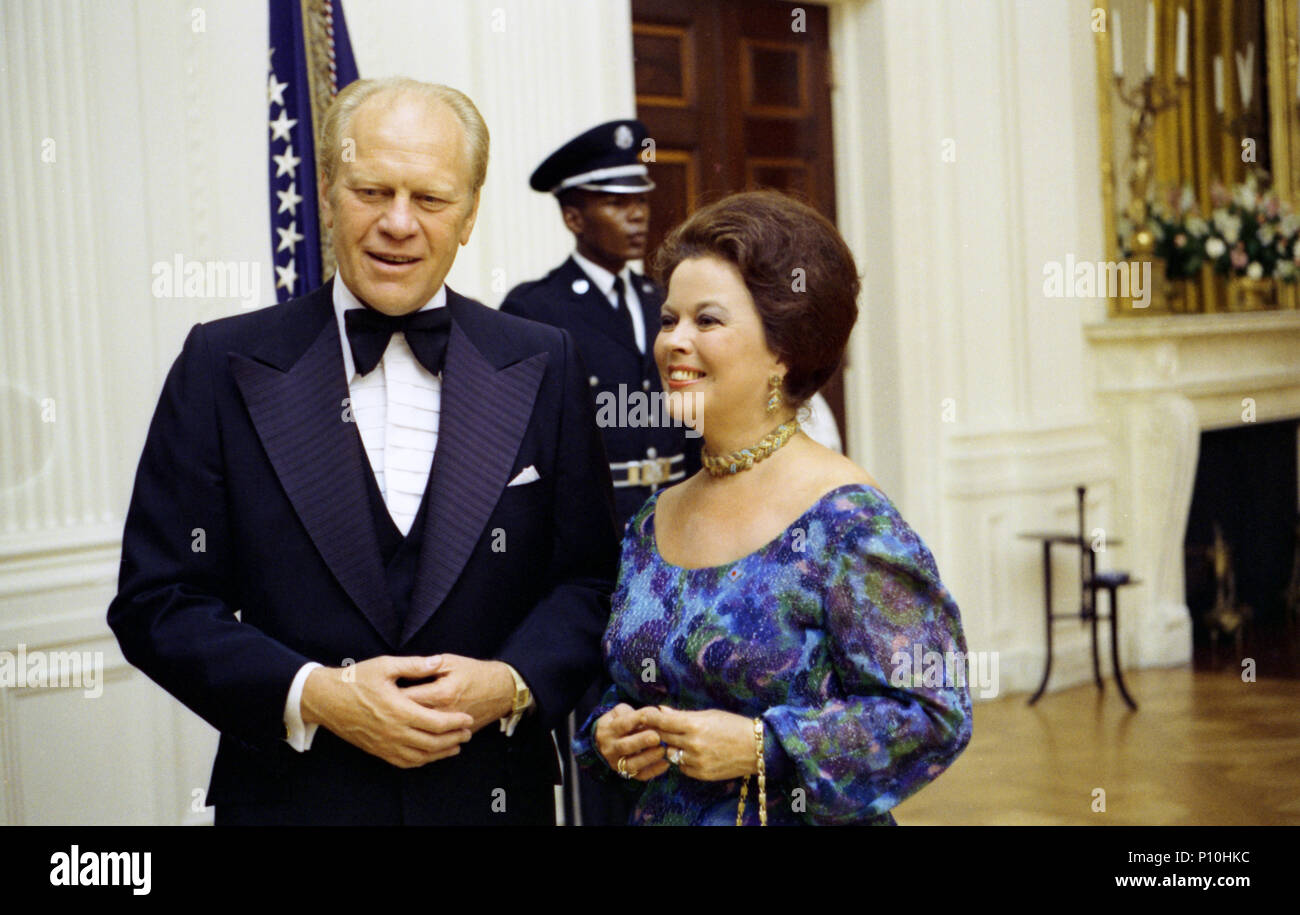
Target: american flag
x: 310, y: 59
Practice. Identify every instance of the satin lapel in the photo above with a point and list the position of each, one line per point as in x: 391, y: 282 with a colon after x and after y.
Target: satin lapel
x: 482, y: 420
x: 299, y: 415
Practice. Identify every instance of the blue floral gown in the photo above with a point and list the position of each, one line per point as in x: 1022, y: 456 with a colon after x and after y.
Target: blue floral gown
x: 810, y: 632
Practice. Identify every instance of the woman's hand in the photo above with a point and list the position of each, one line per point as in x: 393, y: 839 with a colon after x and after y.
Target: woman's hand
x: 621, y: 734
x: 713, y: 745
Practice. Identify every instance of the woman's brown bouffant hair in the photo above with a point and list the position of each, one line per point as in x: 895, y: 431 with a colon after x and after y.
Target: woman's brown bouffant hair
x: 797, y: 269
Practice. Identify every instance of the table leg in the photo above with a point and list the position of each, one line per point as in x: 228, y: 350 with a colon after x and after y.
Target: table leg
x: 1047, y: 599
x: 1114, y: 647
x: 1096, y: 662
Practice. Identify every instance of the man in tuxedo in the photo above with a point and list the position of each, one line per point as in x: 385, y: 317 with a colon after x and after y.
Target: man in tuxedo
x: 613, y: 315
x: 373, y: 522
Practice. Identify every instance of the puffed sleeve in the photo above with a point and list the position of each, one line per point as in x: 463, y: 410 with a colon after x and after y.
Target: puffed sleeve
x: 891, y: 729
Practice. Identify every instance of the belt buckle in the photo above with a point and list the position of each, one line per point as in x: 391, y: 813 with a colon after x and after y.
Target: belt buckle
x: 653, y: 471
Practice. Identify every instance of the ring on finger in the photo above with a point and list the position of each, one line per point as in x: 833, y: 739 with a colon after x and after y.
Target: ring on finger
x: 622, y: 767
x: 675, y: 756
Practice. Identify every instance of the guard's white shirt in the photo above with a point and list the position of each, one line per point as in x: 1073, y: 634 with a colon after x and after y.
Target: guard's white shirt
x: 603, y: 280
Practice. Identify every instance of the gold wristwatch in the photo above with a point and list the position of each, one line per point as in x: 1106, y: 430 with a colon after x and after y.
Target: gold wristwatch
x: 522, y: 701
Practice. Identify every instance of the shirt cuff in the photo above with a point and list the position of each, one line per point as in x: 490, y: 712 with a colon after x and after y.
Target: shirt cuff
x: 298, y: 735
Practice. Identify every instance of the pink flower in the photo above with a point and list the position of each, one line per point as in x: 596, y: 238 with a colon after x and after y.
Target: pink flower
x: 1238, y: 258
x: 1180, y: 240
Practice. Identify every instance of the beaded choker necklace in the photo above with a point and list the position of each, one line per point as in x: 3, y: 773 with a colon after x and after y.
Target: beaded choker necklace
x: 745, y: 458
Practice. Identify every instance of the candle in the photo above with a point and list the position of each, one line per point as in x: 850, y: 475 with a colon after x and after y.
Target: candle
x: 1218, y: 84
x: 1246, y: 74
x: 1117, y: 43
x: 1180, y: 68
x: 1151, y: 38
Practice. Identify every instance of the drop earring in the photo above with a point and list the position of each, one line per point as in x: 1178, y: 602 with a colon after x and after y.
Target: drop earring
x: 774, y: 398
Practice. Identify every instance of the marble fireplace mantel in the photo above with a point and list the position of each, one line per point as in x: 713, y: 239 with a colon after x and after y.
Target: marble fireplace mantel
x: 1158, y: 383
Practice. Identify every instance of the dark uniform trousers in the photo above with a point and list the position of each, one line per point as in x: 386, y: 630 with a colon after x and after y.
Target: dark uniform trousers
x: 646, y: 450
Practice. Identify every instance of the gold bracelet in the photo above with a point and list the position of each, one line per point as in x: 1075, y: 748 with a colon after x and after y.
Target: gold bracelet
x: 762, y: 780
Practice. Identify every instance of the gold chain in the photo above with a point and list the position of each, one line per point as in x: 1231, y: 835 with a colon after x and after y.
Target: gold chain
x: 762, y: 781
x: 745, y: 458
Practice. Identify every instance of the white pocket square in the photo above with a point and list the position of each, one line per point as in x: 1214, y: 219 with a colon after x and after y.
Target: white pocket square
x: 527, y: 475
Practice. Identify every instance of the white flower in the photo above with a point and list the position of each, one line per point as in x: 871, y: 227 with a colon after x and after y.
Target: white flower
x: 1215, y: 247
x: 1229, y: 226
x: 1290, y: 223
x: 1285, y: 270
x: 1266, y: 235
x: 1254, y: 271
x: 1186, y: 200
x: 1245, y: 195
x: 1196, y: 225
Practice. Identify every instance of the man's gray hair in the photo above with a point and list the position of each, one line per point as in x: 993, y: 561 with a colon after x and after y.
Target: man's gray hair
x: 338, y: 121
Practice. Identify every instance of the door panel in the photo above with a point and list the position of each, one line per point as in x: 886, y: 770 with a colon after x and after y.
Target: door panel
x: 736, y: 97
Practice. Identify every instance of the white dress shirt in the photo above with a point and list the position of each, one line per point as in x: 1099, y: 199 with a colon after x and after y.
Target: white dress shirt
x: 603, y: 280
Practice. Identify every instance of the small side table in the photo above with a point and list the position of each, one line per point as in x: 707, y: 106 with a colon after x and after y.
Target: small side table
x: 1093, y: 581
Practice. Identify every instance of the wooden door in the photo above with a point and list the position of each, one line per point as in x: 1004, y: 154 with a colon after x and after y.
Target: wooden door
x: 736, y: 96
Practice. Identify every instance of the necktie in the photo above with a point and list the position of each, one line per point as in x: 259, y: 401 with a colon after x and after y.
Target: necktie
x: 625, y: 316
x: 426, y: 333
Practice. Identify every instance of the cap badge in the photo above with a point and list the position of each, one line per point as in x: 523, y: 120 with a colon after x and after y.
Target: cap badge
x: 580, y: 286
x: 623, y: 136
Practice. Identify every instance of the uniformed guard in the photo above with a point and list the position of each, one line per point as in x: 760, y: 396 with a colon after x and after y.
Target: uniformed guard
x: 613, y: 314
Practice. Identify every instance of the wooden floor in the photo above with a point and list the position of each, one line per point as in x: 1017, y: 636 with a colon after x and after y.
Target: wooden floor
x: 1202, y: 749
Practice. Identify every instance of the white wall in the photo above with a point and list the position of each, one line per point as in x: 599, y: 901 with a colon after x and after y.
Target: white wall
x: 968, y: 387
x: 159, y: 146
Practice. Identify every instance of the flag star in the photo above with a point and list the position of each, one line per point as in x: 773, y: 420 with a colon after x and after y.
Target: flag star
x: 281, y: 126
x: 289, y: 237
x: 288, y: 276
x: 275, y: 91
x: 286, y: 162
x: 289, y: 200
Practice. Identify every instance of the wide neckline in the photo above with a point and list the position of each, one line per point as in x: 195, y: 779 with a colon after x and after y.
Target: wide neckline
x: 653, y: 533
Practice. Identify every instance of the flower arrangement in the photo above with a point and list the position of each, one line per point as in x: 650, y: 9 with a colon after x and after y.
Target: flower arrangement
x: 1178, y: 229
x: 1252, y: 233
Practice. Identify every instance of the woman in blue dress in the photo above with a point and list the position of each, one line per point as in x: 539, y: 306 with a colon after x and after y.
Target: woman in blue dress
x: 769, y: 609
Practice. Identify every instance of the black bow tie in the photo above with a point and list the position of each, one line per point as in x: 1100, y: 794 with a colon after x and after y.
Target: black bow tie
x: 426, y: 333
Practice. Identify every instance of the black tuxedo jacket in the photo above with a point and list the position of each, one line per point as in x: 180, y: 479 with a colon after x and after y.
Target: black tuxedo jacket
x: 609, y: 353
x: 250, y: 549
